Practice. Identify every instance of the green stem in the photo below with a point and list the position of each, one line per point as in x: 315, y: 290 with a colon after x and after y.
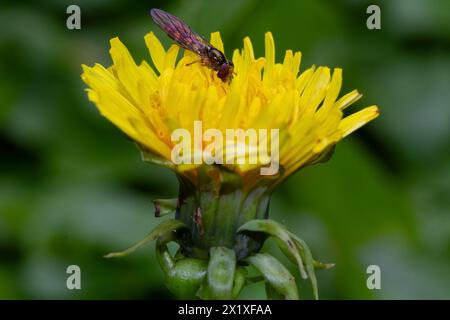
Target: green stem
x: 214, y: 209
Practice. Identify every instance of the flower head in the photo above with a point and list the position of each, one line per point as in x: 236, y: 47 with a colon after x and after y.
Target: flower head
x: 149, y: 103
x: 221, y: 213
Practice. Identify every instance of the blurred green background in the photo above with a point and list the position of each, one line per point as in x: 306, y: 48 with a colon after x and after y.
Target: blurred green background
x: 73, y: 188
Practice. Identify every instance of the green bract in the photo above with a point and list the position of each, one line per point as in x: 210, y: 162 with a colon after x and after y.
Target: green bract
x: 220, y: 228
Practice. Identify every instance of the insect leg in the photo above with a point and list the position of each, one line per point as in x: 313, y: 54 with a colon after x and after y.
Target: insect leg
x: 195, y: 61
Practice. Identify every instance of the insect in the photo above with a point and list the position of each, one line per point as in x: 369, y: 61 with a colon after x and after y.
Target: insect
x: 187, y: 39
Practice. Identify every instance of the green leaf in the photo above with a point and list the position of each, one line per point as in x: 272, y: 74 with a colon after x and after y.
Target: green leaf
x: 239, y: 282
x: 185, y: 278
x: 165, y: 259
x: 326, y: 155
x: 166, y: 226
x: 165, y: 206
x: 220, y: 277
x: 317, y: 264
x: 254, y: 279
x: 309, y: 262
x: 280, y: 232
x: 321, y: 265
x: 278, y: 277
x: 150, y: 157
x: 271, y: 293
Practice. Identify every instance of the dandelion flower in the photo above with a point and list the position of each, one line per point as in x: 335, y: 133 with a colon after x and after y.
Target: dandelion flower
x: 221, y: 211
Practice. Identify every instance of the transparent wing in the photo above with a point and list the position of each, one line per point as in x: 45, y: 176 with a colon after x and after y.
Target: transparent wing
x: 179, y: 31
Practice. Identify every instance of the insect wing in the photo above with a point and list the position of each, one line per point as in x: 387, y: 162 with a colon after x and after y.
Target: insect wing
x: 179, y: 31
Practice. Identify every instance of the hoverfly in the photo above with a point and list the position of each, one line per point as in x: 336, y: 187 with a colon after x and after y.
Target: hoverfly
x: 187, y: 39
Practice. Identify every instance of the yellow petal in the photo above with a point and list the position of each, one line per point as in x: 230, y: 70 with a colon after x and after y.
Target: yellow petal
x: 156, y: 50
x: 248, y: 55
x: 332, y: 94
x: 171, y: 57
x: 348, y: 99
x: 216, y: 41
x: 357, y: 120
x: 270, y: 56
